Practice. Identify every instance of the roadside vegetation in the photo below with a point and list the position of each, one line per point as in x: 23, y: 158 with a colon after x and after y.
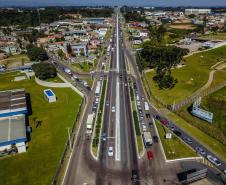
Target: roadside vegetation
x: 174, y: 148
x: 190, y: 77
x: 99, y: 120
x: 191, y: 127
x: 136, y: 121
x: 47, y: 139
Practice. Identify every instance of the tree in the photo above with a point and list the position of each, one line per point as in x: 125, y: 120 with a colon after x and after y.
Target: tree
x: 44, y: 70
x: 36, y: 53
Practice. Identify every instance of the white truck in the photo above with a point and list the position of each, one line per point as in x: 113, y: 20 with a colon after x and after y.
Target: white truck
x: 146, y: 106
x: 89, y: 124
x: 147, y: 138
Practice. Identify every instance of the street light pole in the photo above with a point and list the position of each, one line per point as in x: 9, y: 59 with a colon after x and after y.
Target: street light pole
x: 69, y: 137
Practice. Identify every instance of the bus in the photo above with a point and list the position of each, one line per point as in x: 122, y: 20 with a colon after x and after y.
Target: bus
x: 98, y: 89
x: 147, y: 138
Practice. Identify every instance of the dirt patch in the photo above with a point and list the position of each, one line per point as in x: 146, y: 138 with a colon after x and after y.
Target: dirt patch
x: 183, y: 26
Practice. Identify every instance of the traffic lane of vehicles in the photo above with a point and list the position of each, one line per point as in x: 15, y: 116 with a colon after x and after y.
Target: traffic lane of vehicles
x: 200, y: 149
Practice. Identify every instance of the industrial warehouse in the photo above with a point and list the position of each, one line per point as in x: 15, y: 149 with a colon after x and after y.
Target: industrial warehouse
x: 13, y: 111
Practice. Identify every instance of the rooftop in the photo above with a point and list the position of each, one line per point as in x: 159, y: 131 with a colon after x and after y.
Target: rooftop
x: 12, y: 129
x: 12, y: 99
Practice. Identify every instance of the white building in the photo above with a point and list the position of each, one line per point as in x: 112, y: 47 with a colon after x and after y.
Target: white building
x: 197, y: 11
x: 49, y: 95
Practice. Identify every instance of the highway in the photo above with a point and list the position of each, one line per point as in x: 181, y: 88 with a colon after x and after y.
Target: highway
x: 119, y: 131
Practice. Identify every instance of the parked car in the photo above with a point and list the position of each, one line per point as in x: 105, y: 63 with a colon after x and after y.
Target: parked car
x: 150, y: 155
x: 110, y: 151
x: 213, y: 160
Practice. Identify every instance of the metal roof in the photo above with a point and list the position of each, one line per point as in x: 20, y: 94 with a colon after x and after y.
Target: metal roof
x: 12, y: 130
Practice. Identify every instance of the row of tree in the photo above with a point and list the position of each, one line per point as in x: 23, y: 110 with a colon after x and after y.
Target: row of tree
x: 36, y: 53
x: 30, y: 17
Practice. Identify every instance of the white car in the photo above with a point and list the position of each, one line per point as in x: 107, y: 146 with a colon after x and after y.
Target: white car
x: 144, y: 128
x: 110, y: 151
x: 113, y: 109
x: 213, y: 160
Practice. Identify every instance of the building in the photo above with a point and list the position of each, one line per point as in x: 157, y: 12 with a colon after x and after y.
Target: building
x: 13, y: 103
x: 13, y: 111
x: 49, y: 95
x: 197, y: 11
x: 79, y: 49
x: 13, y: 134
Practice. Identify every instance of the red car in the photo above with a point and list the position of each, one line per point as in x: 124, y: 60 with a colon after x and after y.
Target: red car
x: 150, y: 155
x: 164, y: 121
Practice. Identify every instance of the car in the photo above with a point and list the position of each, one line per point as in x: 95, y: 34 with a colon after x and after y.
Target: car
x: 200, y: 151
x: 107, y: 103
x: 150, y: 155
x: 139, y: 107
x: 110, y: 151
x: 144, y: 128
x: 97, y: 100
x: 187, y: 140
x: 104, y: 136
x: 148, y: 115
x: 213, y: 160
x: 156, y: 139
x: 135, y: 175
x: 157, y: 117
x: 224, y: 171
x: 141, y: 117
x: 113, y: 109
x: 140, y: 112
x: 138, y: 102
x: 164, y: 121
x: 150, y: 124
x: 172, y: 127
x: 178, y: 133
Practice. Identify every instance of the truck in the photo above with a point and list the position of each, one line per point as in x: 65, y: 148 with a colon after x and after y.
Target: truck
x: 98, y: 89
x: 146, y: 106
x: 147, y: 138
x: 89, y: 124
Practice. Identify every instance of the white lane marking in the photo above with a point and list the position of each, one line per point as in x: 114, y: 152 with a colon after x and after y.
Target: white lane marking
x: 117, y: 41
x: 117, y: 125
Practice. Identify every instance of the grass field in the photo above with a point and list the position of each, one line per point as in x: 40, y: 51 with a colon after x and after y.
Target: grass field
x: 174, y: 148
x: 38, y: 165
x: 55, y: 79
x: 215, y: 36
x: 190, y: 78
x: 15, y: 60
x: 83, y: 67
x: 205, y: 139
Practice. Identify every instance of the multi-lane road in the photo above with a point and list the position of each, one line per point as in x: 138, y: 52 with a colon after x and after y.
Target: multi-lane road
x: 118, y: 129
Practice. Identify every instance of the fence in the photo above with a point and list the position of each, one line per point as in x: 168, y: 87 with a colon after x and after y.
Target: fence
x: 56, y: 178
x: 194, y: 96
x: 190, y: 99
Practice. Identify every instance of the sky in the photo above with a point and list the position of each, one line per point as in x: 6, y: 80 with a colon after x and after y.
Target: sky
x: 113, y: 2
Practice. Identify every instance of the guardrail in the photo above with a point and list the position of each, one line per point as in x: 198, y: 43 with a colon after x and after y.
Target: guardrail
x: 69, y: 144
